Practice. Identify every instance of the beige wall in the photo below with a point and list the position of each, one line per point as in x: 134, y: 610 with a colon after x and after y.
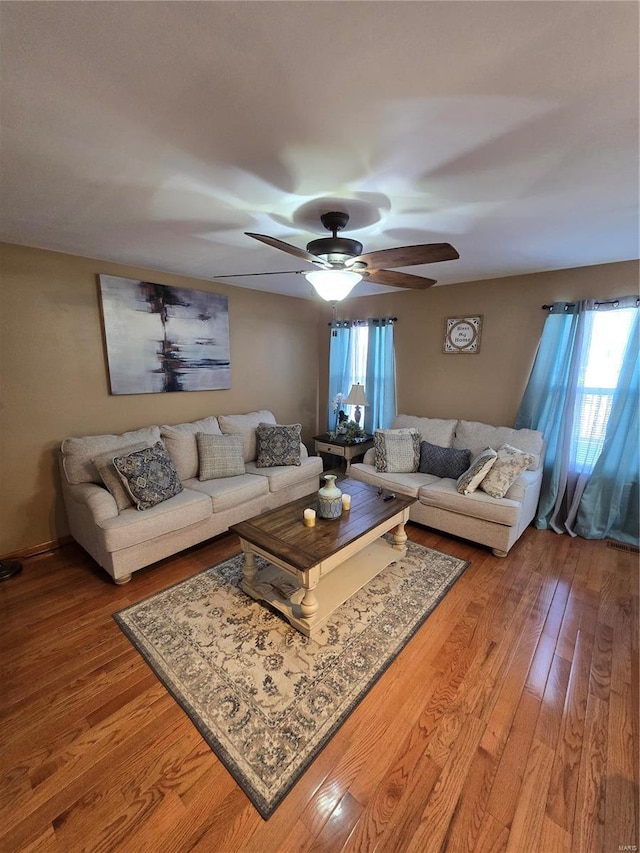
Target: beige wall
x: 487, y: 386
x: 54, y: 380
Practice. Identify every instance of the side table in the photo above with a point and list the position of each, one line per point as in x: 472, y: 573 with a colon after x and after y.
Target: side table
x: 348, y: 450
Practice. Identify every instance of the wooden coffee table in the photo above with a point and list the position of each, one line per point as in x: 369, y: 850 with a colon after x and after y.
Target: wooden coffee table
x: 313, y: 570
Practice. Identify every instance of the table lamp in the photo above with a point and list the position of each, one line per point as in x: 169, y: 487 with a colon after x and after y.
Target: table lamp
x: 356, y: 398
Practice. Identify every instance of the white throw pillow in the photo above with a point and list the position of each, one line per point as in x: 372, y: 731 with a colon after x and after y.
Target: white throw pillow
x: 476, y: 472
x: 180, y: 441
x: 397, y: 450
x: 508, y: 466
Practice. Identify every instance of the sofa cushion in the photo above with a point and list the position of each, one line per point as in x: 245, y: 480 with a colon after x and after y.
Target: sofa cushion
x: 404, y: 484
x: 220, y: 456
x: 283, y: 477
x: 477, y: 436
x: 434, y: 430
x: 246, y: 425
x: 397, y: 450
x: 78, y: 453
x: 468, y: 482
x: 444, y: 495
x: 230, y: 492
x: 111, y: 478
x: 509, y: 464
x: 443, y: 461
x: 180, y: 441
x: 278, y: 445
x: 131, y: 527
x: 148, y: 475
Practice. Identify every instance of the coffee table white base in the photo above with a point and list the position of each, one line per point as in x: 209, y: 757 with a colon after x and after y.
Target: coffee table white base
x: 307, y: 598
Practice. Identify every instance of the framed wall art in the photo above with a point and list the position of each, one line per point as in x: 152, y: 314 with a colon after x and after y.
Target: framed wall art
x: 462, y: 334
x: 161, y: 338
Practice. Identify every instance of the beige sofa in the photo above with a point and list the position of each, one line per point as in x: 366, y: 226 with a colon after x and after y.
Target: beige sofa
x: 122, y: 542
x: 494, y: 522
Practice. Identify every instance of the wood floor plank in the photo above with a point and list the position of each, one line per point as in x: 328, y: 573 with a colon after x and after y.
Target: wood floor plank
x: 589, y: 822
x: 561, y: 803
x: 553, y: 701
x: 528, y: 819
x: 298, y: 840
x: 436, y: 816
x: 621, y: 811
x: 339, y: 826
x: 509, y: 722
x: 505, y: 790
x: 554, y: 839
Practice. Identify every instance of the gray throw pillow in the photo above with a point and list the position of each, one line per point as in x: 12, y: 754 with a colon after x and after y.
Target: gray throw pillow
x: 220, y: 456
x: 476, y: 472
x: 278, y: 445
x: 443, y: 461
x: 397, y: 451
x: 148, y: 475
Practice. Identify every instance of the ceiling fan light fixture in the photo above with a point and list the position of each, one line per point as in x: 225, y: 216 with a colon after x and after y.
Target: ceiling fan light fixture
x: 333, y: 285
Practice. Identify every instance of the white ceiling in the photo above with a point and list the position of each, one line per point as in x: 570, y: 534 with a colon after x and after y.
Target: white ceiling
x: 155, y: 134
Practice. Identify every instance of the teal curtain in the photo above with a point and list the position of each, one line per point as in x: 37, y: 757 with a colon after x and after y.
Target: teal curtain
x: 548, y: 404
x: 340, y: 360
x: 380, y: 386
x: 590, y: 473
x: 610, y: 505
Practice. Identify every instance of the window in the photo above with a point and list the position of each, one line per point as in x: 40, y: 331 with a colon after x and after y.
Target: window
x: 606, y: 337
x: 356, y: 368
x: 583, y: 394
x: 363, y: 351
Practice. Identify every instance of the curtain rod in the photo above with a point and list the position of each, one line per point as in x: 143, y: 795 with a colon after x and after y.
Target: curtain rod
x: 615, y: 302
x: 388, y: 319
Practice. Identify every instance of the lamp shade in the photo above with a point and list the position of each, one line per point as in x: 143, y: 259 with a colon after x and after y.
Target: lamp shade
x: 356, y: 396
x: 333, y: 285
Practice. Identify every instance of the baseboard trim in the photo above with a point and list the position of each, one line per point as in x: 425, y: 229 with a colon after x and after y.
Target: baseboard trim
x: 36, y: 550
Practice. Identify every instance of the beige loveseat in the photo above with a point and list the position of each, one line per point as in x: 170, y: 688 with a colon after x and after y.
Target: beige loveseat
x: 124, y: 541
x: 495, y: 522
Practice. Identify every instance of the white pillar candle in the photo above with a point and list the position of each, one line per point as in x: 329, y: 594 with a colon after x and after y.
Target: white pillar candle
x: 309, y: 517
x: 346, y: 501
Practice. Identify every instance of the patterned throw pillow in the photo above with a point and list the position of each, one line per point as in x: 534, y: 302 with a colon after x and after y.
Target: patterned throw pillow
x: 148, y: 475
x: 111, y: 478
x: 278, y: 445
x: 397, y: 451
x: 508, y: 466
x: 476, y: 472
x: 220, y: 456
x: 443, y: 461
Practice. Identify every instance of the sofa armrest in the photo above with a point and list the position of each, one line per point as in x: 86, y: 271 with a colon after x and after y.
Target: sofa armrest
x: 304, y: 453
x: 518, y: 489
x: 98, y: 500
x: 369, y: 457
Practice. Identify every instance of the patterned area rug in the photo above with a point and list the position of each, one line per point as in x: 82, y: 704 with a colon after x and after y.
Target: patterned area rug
x: 265, y: 698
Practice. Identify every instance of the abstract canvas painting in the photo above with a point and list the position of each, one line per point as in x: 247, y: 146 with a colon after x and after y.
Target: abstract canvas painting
x: 162, y: 338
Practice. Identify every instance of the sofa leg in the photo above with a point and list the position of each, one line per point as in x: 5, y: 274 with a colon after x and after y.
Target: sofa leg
x: 498, y: 553
x: 123, y: 579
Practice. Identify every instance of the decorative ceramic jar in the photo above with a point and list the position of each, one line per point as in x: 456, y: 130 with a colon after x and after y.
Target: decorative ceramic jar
x: 329, y: 498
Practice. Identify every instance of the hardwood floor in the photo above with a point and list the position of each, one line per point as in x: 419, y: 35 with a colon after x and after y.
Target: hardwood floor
x: 508, y: 723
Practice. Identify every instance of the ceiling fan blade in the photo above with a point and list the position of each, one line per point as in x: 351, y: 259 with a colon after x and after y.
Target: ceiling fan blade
x: 245, y: 274
x: 407, y: 256
x: 399, y: 279
x: 288, y: 248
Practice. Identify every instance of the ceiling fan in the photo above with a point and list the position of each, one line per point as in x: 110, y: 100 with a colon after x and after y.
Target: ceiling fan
x: 341, y: 263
